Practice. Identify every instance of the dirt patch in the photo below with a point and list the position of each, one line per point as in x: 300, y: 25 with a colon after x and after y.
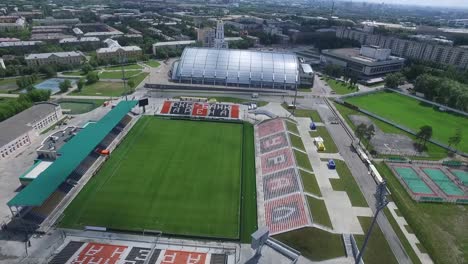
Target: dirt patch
x: 388, y: 143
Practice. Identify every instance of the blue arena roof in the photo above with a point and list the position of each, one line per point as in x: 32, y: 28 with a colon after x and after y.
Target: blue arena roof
x: 72, y: 154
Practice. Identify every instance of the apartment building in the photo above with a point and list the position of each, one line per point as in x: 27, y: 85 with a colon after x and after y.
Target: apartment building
x: 456, y: 56
x: 8, y: 23
x: 115, y: 51
x: 38, y: 59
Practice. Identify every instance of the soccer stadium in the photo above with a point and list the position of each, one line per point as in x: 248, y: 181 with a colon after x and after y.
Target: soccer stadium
x: 172, y: 174
x: 242, y: 68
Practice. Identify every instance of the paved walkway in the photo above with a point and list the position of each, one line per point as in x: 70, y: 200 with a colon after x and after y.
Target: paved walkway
x: 340, y: 210
x: 412, y: 239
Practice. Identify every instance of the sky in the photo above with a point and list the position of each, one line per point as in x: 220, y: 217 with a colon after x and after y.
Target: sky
x: 451, y: 3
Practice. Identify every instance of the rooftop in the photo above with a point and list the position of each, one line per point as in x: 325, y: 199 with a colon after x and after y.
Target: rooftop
x: 173, y: 43
x: 19, y: 124
x: 78, y: 40
x: 57, y: 54
x: 72, y: 154
x: 354, y: 54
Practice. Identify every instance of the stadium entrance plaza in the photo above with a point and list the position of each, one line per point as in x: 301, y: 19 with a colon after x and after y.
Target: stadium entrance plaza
x: 342, y: 214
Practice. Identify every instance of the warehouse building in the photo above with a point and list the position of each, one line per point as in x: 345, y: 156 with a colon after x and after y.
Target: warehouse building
x: 241, y: 68
x: 19, y: 130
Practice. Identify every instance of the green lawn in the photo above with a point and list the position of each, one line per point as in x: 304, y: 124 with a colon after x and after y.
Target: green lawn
x: 347, y: 183
x: 292, y: 127
x: 406, y: 245
x: 296, y: 142
x: 126, y: 67
x: 7, y: 85
x: 80, y: 106
x: 322, y: 131
x: 340, y: 87
x: 313, y: 243
x: 73, y: 73
x: 102, y: 89
x: 310, y: 183
x: 249, y: 191
x: 441, y: 228
x: 312, y: 114
x: 159, y: 179
x: 378, y: 250
x: 302, y: 160
x: 118, y: 74
x: 153, y: 63
x: 433, y: 151
x: 137, y: 79
x: 413, y: 114
x: 319, y: 212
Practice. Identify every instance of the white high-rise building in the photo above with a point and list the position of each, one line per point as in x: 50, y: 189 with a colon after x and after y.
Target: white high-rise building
x: 219, y: 42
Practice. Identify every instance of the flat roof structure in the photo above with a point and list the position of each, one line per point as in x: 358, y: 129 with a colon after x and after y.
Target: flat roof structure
x: 35, y: 170
x: 21, y: 123
x: 245, y: 68
x: 354, y: 55
x: 72, y: 154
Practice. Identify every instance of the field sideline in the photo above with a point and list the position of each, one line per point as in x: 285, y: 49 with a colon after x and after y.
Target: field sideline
x: 181, y: 177
x: 413, y: 114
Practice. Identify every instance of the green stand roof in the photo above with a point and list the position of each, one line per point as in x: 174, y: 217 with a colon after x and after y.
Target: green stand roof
x: 71, y: 155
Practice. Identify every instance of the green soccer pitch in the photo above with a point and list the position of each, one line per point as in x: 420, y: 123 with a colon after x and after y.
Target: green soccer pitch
x: 413, y: 114
x: 180, y: 177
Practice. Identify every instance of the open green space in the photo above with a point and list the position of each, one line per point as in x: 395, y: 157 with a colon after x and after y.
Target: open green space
x: 433, y: 151
x: 341, y: 87
x: 137, y: 79
x: 413, y: 114
x: 314, y: 244
x: 302, y: 160
x: 8, y: 85
x: 292, y: 127
x: 312, y: 114
x: 126, y: 67
x: 249, y: 191
x: 441, y: 228
x: 118, y: 74
x: 159, y: 179
x: 378, y: 250
x: 102, y: 89
x: 347, y: 184
x: 310, y: 183
x: 319, y: 212
x: 73, y: 73
x: 80, y: 106
x: 321, y: 131
x: 296, y: 141
x: 404, y: 242
x: 153, y: 63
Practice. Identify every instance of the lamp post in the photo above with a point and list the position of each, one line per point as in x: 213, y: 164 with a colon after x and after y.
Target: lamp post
x: 381, y: 203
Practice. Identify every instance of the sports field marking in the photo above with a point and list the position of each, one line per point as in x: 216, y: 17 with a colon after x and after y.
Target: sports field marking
x: 444, y: 183
x: 413, y: 181
x: 181, y: 177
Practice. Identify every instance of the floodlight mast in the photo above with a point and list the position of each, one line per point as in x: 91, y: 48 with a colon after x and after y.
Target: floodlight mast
x: 381, y: 203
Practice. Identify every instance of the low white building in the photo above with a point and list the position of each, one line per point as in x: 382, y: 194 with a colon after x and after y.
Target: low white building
x: 115, y: 51
x: 12, y: 23
x: 38, y: 59
x: 20, y: 130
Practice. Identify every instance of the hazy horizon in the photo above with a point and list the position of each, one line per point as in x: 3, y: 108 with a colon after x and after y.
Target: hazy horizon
x: 445, y: 3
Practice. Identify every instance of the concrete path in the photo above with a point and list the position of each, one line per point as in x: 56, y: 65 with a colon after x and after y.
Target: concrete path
x: 340, y: 210
x: 412, y: 239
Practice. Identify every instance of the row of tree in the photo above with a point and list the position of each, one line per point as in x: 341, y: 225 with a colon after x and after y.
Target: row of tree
x: 11, y: 107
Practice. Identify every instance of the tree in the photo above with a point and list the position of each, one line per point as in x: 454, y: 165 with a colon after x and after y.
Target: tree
x: 86, y: 68
x: 456, y: 138
x: 131, y: 83
x: 394, y: 80
x: 369, y: 133
x: 92, y: 77
x: 424, y: 134
x: 64, y: 86
x: 48, y: 71
x: 80, y: 84
x: 333, y: 70
x: 361, y: 131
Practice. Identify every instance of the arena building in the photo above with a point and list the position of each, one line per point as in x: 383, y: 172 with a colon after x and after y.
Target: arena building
x: 241, y: 68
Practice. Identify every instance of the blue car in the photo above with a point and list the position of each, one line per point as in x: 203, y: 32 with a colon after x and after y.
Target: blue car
x: 331, y: 164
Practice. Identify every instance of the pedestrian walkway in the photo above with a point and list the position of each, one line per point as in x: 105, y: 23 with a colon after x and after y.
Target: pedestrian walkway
x: 412, y: 239
x: 342, y: 214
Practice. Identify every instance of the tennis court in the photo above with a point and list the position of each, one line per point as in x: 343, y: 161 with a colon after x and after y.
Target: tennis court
x: 443, y: 181
x: 52, y: 84
x: 412, y: 180
x: 462, y: 175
